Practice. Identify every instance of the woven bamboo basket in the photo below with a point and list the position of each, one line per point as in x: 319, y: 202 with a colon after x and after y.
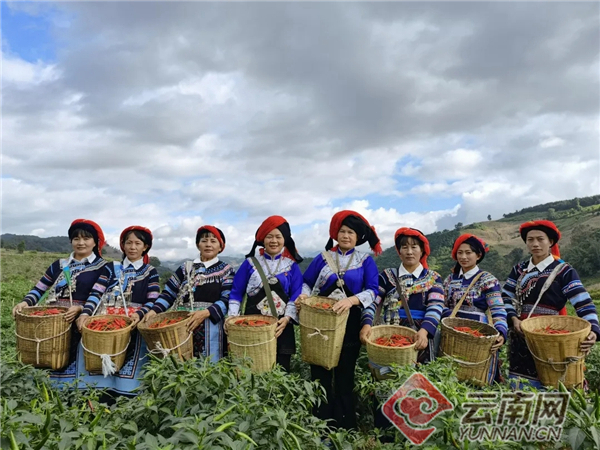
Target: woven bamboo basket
x: 257, y: 343
x: 43, y: 341
x: 321, y: 333
x: 382, y: 356
x: 557, y: 356
x: 111, y: 343
x: 471, y: 353
x: 172, y: 338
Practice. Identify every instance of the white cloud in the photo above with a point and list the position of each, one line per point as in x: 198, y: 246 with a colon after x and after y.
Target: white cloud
x: 553, y: 141
x: 172, y: 116
x: 23, y: 74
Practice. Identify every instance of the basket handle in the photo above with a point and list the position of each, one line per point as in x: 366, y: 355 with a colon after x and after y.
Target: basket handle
x: 335, y: 269
x: 404, y: 300
x: 462, y: 299
x: 547, y: 285
x: 266, y: 285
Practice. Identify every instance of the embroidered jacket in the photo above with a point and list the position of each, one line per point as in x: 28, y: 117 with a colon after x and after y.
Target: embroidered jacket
x: 83, y: 276
x: 247, y: 281
x: 484, y: 294
x: 524, y: 287
x: 360, y: 277
x: 142, y: 282
x: 178, y: 287
x: 425, y: 298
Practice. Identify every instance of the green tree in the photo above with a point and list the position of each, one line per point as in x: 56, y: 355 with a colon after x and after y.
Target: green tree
x: 458, y: 226
x: 21, y: 247
x: 489, y: 217
x: 584, y: 252
x: 154, y: 261
x: 551, y: 214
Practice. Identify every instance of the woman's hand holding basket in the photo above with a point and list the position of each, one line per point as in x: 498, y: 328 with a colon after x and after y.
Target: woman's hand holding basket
x: 588, y: 343
x: 197, y: 317
x: 421, y: 340
x: 18, y: 307
x: 73, y: 312
x: 342, y: 305
x: 499, y: 343
x: 281, y: 324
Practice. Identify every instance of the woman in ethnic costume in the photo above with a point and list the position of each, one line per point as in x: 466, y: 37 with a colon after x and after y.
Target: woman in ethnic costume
x: 482, y: 299
x: 420, y: 288
x: 74, y: 278
x: 202, y: 286
x: 278, y: 260
x: 135, y: 283
x: 522, y: 290
x: 350, y: 276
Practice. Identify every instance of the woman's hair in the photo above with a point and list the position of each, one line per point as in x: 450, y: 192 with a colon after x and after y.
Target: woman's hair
x: 205, y: 234
x: 140, y: 235
x: 80, y: 232
x: 407, y: 240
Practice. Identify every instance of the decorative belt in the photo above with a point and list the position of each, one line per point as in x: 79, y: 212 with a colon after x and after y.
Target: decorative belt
x: 197, y: 306
x: 539, y: 310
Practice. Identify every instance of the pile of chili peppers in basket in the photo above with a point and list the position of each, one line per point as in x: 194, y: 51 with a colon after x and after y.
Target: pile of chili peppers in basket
x: 166, y: 322
x: 251, y: 322
x: 323, y: 305
x: 470, y: 331
x: 395, y: 340
x: 106, y: 324
x: 549, y: 330
x: 46, y: 312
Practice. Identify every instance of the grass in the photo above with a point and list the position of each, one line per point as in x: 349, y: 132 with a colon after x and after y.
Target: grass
x: 18, y: 273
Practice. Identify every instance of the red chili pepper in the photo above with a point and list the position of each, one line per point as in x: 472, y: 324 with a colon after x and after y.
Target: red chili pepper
x: 166, y: 322
x: 251, y: 322
x: 394, y: 340
x: 104, y: 324
x: 470, y: 331
x: 549, y: 330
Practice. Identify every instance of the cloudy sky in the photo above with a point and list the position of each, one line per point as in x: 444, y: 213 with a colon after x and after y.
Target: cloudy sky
x: 181, y: 114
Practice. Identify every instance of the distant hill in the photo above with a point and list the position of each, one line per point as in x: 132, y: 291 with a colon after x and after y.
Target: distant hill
x: 54, y: 244
x: 579, y: 245
x: 578, y: 220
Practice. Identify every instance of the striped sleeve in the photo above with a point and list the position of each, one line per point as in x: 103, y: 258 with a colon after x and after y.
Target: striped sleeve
x: 152, y: 292
x: 368, y: 314
x: 435, y: 305
x: 508, y: 294
x: 45, y: 283
x: 169, y: 294
x: 580, y: 299
x: 219, y: 309
x: 99, y: 288
x: 493, y: 297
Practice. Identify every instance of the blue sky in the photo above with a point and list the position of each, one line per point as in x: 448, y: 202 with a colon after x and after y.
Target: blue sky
x: 175, y: 115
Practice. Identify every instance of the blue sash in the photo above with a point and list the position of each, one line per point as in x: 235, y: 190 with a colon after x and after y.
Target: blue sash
x: 416, y: 314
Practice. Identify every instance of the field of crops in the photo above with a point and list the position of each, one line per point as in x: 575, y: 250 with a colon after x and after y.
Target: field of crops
x: 196, y: 405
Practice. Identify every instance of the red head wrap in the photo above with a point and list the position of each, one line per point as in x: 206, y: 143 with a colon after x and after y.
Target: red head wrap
x: 126, y: 231
x: 360, y: 225
x: 215, y: 231
x: 547, y: 227
x: 405, y: 231
x: 93, y: 228
x: 472, y: 240
x: 269, y: 224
